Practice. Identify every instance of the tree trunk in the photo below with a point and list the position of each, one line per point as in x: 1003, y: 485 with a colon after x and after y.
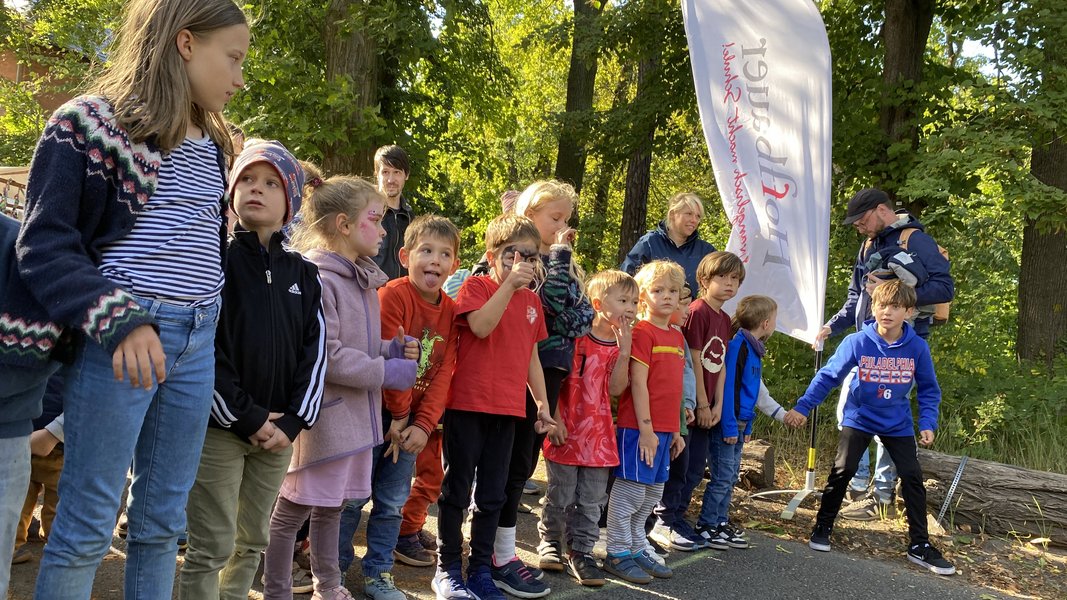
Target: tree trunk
x: 997, y: 498
x: 581, y: 83
x: 638, y: 171
x: 351, y: 53
x: 907, y: 27
x: 757, y: 465
x: 1043, y: 268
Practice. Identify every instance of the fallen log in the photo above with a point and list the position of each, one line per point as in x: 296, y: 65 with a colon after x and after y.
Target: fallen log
x: 998, y: 498
x: 757, y: 465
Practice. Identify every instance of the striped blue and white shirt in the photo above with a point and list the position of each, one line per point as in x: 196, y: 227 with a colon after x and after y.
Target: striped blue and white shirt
x: 172, y: 253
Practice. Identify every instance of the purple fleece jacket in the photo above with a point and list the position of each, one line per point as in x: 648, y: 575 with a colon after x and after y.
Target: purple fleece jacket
x: 356, y: 369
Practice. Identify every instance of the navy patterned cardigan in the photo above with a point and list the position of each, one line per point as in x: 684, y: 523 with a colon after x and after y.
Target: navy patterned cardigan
x: 88, y: 182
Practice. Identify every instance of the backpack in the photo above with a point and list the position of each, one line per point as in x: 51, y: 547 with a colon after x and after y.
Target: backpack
x: 941, y: 310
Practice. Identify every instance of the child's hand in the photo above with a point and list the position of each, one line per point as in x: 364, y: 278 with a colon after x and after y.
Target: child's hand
x: 413, y: 439
x: 704, y: 417
x: 396, y: 427
x: 926, y: 437
x: 730, y: 440
x: 558, y: 437
x: 677, y: 445
x: 748, y: 437
x: 277, y: 442
x: 393, y: 450
x: 142, y: 353
x: 689, y: 416
x: 521, y: 274
x: 623, y: 331
x: 647, y: 444
x: 794, y: 419
x: 42, y: 442
x: 566, y: 236
x: 411, y: 347
x: 263, y: 434
x: 545, y: 422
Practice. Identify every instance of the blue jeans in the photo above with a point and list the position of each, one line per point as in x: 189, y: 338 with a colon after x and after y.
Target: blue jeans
x: 724, y: 460
x: 109, y: 424
x: 885, y: 472
x: 21, y: 389
x: 390, y: 487
x: 14, y: 479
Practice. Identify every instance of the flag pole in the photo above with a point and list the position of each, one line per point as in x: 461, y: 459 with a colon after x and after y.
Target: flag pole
x: 809, y: 477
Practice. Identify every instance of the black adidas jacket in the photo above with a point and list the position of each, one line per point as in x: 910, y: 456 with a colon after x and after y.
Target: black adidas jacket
x: 270, y: 347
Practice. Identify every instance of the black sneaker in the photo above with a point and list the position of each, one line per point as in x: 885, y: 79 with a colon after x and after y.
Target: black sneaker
x: 820, y: 538
x: 410, y: 551
x: 583, y: 567
x: 712, y: 538
x: 550, y: 556
x: 734, y: 538
x: 929, y: 558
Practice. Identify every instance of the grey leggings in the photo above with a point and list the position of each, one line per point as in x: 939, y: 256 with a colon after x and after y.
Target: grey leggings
x: 629, y: 505
x: 287, y: 519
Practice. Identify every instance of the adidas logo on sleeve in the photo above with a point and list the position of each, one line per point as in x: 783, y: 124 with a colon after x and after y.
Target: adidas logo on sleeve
x: 294, y: 289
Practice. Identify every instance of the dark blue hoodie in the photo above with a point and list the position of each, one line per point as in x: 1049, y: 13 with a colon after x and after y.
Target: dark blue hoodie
x: 878, y: 395
x: 934, y: 285
x: 657, y: 245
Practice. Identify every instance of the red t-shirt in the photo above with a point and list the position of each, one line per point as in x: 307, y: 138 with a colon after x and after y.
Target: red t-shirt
x: 434, y: 326
x: 708, y: 330
x: 663, y: 352
x: 491, y: 373
x: 585, y: 407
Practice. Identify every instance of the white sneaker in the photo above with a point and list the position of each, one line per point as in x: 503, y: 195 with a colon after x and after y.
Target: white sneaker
x: 651, y: 552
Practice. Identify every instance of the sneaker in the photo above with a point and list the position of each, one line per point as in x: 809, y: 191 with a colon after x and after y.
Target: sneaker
x: 732, y: 537
x: 550, y: 554
x: 335, y: 593
x: 929, y: 558
x: 481, y: 586
x: 447, y: 584
x: 652, y: 567
x: 515, y: 579
x: 531, y: 488
x: 183, y: 541
x: 428, y: 540
x: 122, y: 528
x: 820, y: 538
x: 303, y: 583
x: 382, y: 588
x: 686, y: 531
x: 583, y: 567
x: 626, y: 569
x: 654, y: 554
x: 869, y: 509
x: 410, y: 551
x: 22, y: 554
x: 712, y: 538
x: 668, y: 537
x: 854, y: 495
x: 655, y: 547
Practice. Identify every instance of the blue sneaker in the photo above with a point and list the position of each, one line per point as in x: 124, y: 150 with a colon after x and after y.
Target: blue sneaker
x: 447, y: 584
x: 516, y: 579
x: 481, y: 586
x: 652, y: 567
x: 687, y: 532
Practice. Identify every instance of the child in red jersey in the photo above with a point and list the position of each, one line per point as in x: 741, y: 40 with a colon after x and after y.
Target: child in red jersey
x: 580, y: 454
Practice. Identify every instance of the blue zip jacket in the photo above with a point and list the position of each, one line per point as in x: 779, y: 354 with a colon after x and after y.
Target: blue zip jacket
x: 743, y: 371
x: 877, y: 400
x: 934, y: 283
x: 657, y: 245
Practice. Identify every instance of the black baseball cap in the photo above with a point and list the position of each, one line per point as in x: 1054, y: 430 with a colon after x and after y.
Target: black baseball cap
x: 863, y: 201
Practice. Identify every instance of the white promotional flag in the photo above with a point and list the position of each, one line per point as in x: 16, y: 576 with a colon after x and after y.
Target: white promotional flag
x: 762, y: 75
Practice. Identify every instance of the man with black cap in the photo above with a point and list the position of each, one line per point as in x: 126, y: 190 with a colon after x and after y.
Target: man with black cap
x: 883, y: 255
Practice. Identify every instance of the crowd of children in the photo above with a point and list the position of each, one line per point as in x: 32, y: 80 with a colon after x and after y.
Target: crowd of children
x: 294, y: 382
